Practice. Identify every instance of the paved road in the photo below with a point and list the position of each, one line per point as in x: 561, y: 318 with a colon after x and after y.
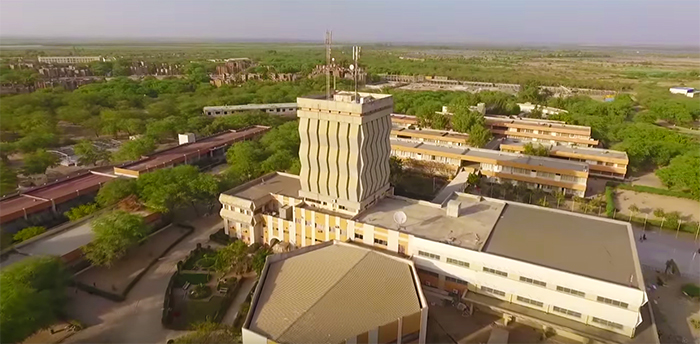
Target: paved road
x: 238, y: 300
x: 138, y: 318
x: 661, y: 246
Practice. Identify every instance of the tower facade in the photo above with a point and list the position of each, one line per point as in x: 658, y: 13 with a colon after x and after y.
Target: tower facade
x: 345, y: 150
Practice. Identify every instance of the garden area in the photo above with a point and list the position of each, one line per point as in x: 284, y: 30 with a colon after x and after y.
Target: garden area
x: 206, y: 281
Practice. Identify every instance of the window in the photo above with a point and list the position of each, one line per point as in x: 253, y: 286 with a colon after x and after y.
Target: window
x: 455, y: 280
x: 429, y: 273
x: 571, y: 291
x: 566, y: 311
x: 495, y: 272
x: 358, y: 236
x: 532, y: 281
x: 612, y: 302
x: 492, y: 291
x: 607, y: 323
x: 458, y: 262
x: 381, y: 242
x: 530, y: 301
x: 429, y: 255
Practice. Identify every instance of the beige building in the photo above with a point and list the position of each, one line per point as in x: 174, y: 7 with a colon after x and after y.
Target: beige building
x: 69, y: 59
x: 601, y: 162
x: 323, y: 294
x: 345, y: 150
x: 540, y: 130
x: 575, y: 275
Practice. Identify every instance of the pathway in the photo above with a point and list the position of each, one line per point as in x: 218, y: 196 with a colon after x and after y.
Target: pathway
x: 661, y: 246
x: 138, y: 318
x: 246, y: 286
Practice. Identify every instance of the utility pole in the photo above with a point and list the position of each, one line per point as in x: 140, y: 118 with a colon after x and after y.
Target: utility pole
x: 329, y: 41
x: 355, y: 56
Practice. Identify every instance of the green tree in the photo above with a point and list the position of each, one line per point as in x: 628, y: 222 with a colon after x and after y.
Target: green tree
x: 89, y: 154
x: 135, y: 149
x: 560, y: 196
x: 244, y: 159
x: 539, y: 150
x: 38, y: 162
x: 659, y: 213
x: 228, y: 257
x: 28, y: 232
x: 473, y: 179
x: 479, y: 136
x: 166, y: 189
x: 259, y: 258
x: 395, y: 169
x: 33, y: 296
x: 115, y: 232
x: 115, y: 191
x: 683, y: 173
x: 81, y: 211
x: 463, y: 120
x: 8, y: 179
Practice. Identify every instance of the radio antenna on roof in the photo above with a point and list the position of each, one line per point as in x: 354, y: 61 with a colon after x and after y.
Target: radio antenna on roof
x: 329, y: 41
x: 355, y: 57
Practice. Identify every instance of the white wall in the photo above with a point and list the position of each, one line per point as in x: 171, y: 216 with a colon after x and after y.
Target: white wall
x: 511, y: 284
x: 250, y: 337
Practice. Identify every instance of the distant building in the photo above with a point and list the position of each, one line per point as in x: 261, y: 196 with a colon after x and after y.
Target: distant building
x: 686, y: 91
x: 546, y: 110
x: 70, y: 59
x: 271, y: 108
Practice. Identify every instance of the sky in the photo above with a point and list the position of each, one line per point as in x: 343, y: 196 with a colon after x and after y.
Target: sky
x: 526, y: 22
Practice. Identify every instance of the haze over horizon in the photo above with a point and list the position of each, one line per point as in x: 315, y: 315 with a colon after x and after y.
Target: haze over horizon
x: 537, y: 22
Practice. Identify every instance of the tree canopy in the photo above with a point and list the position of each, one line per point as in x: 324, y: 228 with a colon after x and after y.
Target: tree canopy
x: 115, y: 232
x: 538, y: 150
x: 135, y: 149
x: 89, y: 154
x: 683, y: 173
x: 33, y: 296
x: 479, y: 136
x: 116, y: 190
x: 38, y: 162
x: 166, y: 189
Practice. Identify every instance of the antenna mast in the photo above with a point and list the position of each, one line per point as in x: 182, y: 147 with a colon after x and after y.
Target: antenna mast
x: 355, y: 57
x: 329, y: 41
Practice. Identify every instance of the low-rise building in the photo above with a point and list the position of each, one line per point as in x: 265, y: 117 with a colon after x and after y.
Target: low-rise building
x: 546, y: 110
x: 539, y: 130
x: 548, y: 174
x: 271, y: 108
x: 70, y: 59
x: 686, y: 91
x: 337, y: 293
x: 601, y: 162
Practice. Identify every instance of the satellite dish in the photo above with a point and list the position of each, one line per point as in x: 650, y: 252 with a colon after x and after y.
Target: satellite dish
x: 352, y: 67
x: 400, y: 218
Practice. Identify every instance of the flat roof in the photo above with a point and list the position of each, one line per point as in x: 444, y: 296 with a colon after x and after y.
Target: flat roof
x: 61, y: 243
x: 203, y: 146
x: 477, y: 216
x: 539, y: 122
x: 433, y: 132
x: 277, y: 183
x: 330, y: 292
x: 15, y: 206
x: 575, y: 243
x: 601, y: 152
x: 497, y: 155
x: 251, y: 106
x: 70, y: 186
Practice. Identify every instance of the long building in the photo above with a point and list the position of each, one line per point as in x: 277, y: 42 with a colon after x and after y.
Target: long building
x: 45, y: 205
x: 271, y: 108
x: 69, y: 59
x: 601, y: 162
x: 321, y: 294
x: 548, y: 174
x: 574, y: 274
x: 539, y: 130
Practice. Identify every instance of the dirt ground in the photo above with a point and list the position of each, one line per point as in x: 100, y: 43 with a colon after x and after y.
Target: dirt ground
x: 689, y: 209
x: 115, y: 278
x: 672, y: 310
x: 647, y: 179
x: 60, y: 333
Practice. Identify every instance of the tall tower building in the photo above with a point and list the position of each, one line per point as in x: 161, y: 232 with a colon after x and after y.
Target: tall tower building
x: 345, y: 149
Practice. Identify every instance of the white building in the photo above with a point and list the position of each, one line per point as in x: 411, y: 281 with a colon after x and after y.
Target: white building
x: 686, y: 91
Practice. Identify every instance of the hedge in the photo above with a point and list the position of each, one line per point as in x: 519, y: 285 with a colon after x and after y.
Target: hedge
x: 609, y: 201
x: 692, y: 290
x: 652, y: 190
x: 167, y: 319
x: 193, y: 278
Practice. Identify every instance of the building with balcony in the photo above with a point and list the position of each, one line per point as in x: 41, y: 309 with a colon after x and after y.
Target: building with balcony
x: 601, y: 162
x: 576, y: 275
x: 539, y: 130
x: 548, y: 174
x: 337, y: 293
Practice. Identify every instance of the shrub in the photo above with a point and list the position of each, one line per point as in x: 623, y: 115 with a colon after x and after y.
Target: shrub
x: 81, y: 211
x: 692, y: 290
x: 200, y: 291
x: 27, y: 233
x: 609, y: 201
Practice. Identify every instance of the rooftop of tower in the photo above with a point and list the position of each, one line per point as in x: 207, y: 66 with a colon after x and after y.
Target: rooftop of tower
x: 347, y: 103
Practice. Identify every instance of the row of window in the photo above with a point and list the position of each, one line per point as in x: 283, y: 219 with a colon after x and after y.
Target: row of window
x: 524, y: 279
x: 456, y: 280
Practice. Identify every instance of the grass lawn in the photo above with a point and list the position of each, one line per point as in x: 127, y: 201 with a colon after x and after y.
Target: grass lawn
x: 692, y: 290
x: 199, y: 311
